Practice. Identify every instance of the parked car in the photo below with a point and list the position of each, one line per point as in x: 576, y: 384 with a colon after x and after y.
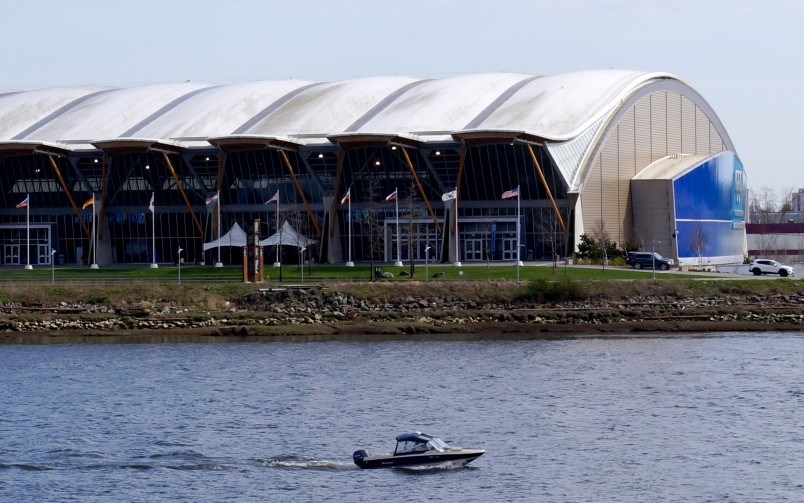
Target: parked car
x: 762, y: 266
x: 638, y: 260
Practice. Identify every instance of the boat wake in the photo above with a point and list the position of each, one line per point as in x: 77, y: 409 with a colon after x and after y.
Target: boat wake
x: 300, y: 462
x: 446, y: 465
x: 182, y: 460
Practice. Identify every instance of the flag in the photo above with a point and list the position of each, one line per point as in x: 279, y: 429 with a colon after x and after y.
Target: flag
x: 391, y: 196
x: 89, y: 202
x: 449, y: 196
x: 24, y: 203
x: 346, y: 197
x: 274, y: 198
x: 152, y: 206
x: 511, y: 193
x: 213, y: 198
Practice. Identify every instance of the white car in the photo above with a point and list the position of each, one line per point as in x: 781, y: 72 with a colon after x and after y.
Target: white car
x: 766, y: 266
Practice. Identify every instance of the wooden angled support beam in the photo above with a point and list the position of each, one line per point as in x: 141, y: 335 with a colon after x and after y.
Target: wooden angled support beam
x: 546, y: 187
x: 337, y: 198
x: 184, y: 195
x: 73, y: 205
x: 421, y: 189
x: 461, y: 162
x: 300, y: 191
x: 104, y: 188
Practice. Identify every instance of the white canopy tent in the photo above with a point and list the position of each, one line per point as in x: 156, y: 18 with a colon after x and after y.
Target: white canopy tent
x: 287, y: 236
x: 235, y: 237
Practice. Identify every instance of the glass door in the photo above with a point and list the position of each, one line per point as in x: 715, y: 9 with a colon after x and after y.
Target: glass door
x: 509, y: 248
x: 11, y: 255
x: 43, y: 253
x: 473, y: 249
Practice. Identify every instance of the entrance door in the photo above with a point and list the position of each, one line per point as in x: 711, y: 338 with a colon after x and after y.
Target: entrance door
x: 509, y: 249
x: 43, y: 254
x: 473, y: 249
x: 11, y: 255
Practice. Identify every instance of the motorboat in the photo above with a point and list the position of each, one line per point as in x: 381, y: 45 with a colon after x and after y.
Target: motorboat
x: 416, y: 450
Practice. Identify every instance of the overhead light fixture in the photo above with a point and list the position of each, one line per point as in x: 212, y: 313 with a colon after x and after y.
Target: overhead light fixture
x: 207, y: 158
x: 393, y: 147
x: 96, y: 160
x: 147, y: 166
x: 437, y: 152
x: 376, y: 163
x: 320, y: 156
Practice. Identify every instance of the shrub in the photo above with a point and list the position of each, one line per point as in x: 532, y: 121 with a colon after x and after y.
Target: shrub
x: 564, y: 290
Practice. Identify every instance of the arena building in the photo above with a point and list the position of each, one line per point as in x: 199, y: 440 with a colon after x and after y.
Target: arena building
x: 630, y: 156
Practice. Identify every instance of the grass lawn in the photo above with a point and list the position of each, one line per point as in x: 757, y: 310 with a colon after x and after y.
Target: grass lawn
x: 323, y: 273
x: 210, y: 289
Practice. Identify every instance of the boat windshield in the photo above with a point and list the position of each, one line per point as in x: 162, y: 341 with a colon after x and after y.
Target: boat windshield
x: 409, y: 447
x: 436, y: 444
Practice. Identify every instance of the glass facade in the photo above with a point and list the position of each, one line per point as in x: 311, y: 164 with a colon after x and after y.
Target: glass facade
x: 180, y: 183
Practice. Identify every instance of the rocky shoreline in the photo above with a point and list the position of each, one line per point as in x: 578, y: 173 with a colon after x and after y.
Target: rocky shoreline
x: 327, y: 313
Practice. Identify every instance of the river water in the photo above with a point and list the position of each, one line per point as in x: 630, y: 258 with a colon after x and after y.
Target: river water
x: 716, y: 417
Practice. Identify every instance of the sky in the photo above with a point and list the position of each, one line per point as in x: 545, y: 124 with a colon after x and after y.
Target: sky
x: 740, y: 55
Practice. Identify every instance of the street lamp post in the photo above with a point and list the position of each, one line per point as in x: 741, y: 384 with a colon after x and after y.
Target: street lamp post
x: 303, y: 248
x: 180, y: 250
x: 654, y: 257
x: 53, y: 266
x: 426, y: 263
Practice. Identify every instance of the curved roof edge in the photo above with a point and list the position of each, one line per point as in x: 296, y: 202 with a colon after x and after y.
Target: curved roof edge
x: 568, y: 112
x: 666, y: 82
x: 671, y: 166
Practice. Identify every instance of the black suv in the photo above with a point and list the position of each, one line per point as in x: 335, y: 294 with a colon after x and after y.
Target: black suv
x: 638, y: 260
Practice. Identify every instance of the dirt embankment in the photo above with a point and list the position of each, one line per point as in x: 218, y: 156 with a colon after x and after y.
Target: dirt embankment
x: 415, y: 309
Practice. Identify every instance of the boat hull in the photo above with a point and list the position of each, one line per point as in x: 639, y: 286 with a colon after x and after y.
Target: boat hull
x: 450, y: 458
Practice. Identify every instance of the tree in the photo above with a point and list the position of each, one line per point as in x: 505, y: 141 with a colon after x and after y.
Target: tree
x: 589, y: 248
x: 607, y: 247
x: 699, y: 242
x: 786, y: 204
x: 374, y: 229
x: 549, y: 229
x: 768, y: 207
x: 301, y: 223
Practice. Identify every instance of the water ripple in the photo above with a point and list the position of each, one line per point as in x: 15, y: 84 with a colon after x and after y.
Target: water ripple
x: 663, y: 419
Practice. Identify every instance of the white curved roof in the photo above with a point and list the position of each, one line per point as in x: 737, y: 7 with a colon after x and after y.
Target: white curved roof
x: 23, y: 110
x: 557, y: 107
x: 110, y: 115
x: 441, y: 105
x: 560, y: 107
x: 328, y: 108
x: 218, y: 111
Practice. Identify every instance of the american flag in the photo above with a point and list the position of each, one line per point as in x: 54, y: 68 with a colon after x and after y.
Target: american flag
x: 511, y: 193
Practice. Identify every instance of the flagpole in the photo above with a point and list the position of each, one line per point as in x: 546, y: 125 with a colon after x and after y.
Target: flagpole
x: 219, y: 263
x: 94, y: 237
x: 457, y: 244
x: 518, y: 246
x: 398, y: 262
x: 154, y: 265
x: 278, y: 263
x: 28, y: 231
x: 349, y: 263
